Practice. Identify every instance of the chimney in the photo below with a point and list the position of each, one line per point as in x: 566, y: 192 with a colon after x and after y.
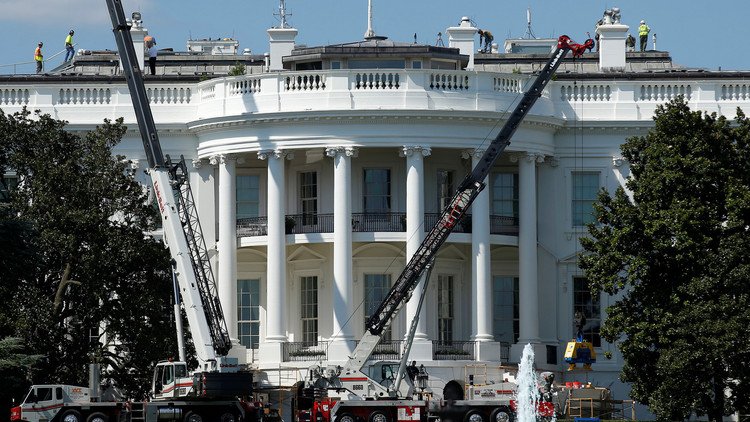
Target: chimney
x: 138, y: 32
x: 462, y: 37
x: 282, y: 44
x: 612, y: 35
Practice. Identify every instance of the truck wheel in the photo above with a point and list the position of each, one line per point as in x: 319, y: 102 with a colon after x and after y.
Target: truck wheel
x: 227, y: 416
x: 72, y: 416
x: 97, y: 417
x: 346, y: 417
x: 378, y: 416
x: 193, y: 417
x: 501, y: 415
x: 475, y: 416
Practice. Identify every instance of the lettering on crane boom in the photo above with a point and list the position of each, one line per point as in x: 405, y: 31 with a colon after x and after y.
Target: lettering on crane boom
x: 557, y: 57
x: 358, y: 387
x: 159, y: 196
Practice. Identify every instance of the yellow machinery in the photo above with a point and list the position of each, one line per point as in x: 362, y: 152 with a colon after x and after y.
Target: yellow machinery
x: 580, y: 350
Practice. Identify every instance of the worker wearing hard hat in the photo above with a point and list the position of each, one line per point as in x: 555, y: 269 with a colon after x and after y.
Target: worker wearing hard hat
x: 487, y: 37
x: 38, y: 57
x: 69, y: 52
x: 643, y: 31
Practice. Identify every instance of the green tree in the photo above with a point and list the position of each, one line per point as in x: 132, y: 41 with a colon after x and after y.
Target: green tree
x: 238, y: 69
x: 85, y: 284
x: 676, y: 256
x: 15, y: 368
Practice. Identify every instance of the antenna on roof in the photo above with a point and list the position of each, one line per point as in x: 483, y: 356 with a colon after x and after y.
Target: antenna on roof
x: 529, y: 33
x: 282, y: 14
x: 370, y: 32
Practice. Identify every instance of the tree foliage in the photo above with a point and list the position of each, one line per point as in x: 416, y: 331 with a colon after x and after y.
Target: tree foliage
x: 80, y: 281
x: 676, y: 255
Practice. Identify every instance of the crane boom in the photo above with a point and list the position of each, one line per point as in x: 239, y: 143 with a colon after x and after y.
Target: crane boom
x: 182, y: 229
x: 466, y: 193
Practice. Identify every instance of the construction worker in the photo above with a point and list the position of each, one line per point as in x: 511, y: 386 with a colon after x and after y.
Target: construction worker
x: 643, y: 31
x: 152, y: 52
x: 487, y: 36
x: 69, y: 52
x: 38, y: 57
x: 630, y: 42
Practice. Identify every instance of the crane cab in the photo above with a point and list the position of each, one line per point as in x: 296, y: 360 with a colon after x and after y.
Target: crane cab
x: 171, y: 380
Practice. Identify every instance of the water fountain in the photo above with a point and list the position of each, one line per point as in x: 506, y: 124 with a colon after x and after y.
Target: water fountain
x: 527, y: 393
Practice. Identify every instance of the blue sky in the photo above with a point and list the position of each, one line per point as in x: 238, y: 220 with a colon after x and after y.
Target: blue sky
x: 704, y: 34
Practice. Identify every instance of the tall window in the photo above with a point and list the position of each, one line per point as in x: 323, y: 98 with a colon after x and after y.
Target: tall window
x: 585, y: 189
x: 248, y: 196
x: 248, y: 312
x: 445, y: 308
x: 589, y: 306
x: 7, y: 184
x: 445, y: 188
x: 505, y: 325
x: 377, y: 191
x: 505, y: 194
x: 376, y: 288
x: 309, y: 309
x: 308, y: 197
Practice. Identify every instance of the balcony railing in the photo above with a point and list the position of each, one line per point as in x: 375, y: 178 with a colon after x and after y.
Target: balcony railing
x: 367, y: 222
x: 387, y: 350
x: 89, y: 101
x: 308, y: 223
x: 379, y: 222
x: 253, y: 226
x: 300, y: 351
x: 500, y: 224
x: 453, y: 350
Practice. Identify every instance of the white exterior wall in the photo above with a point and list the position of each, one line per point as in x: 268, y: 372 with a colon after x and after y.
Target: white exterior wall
x: 573, y: 127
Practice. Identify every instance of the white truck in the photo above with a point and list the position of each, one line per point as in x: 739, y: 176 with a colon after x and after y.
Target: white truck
x: 68, y: 403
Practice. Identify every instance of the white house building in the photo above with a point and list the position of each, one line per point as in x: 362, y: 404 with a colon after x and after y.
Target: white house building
x: 317, y: 173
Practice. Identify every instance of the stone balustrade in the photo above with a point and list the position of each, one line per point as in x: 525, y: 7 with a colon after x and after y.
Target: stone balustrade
x: 385, y: 89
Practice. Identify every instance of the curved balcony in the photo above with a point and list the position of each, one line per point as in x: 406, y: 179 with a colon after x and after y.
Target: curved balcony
x: 91, y: 99
x: 367, y: 222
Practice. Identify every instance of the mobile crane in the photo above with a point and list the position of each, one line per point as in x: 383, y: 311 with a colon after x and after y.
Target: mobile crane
x: 214, y: 391
x: 351, y: 395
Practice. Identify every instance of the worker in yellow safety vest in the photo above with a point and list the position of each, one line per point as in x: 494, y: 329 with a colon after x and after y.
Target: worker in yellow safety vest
x: 69, y: 51
x: 38, y: 57
x: 643, y: 31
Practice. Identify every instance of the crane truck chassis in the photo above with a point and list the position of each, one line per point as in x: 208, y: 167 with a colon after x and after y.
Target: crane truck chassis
x: 199, y: 402
x: 67, y: 403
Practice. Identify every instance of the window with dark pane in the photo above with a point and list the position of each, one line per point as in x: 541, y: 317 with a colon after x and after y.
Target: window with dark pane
x: 248, y: 312
x: 590, y: 306
x: 309, y: 309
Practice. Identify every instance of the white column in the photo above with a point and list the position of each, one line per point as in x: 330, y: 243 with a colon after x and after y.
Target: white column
x: 343, y: 297
x: 276, y: 248
x: 481, y: 275
x: 527, y: 248
x: 227, y: 246
x: 415, y: 227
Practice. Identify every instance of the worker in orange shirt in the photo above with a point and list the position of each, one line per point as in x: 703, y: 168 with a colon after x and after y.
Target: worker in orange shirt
x: 38, y: 57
